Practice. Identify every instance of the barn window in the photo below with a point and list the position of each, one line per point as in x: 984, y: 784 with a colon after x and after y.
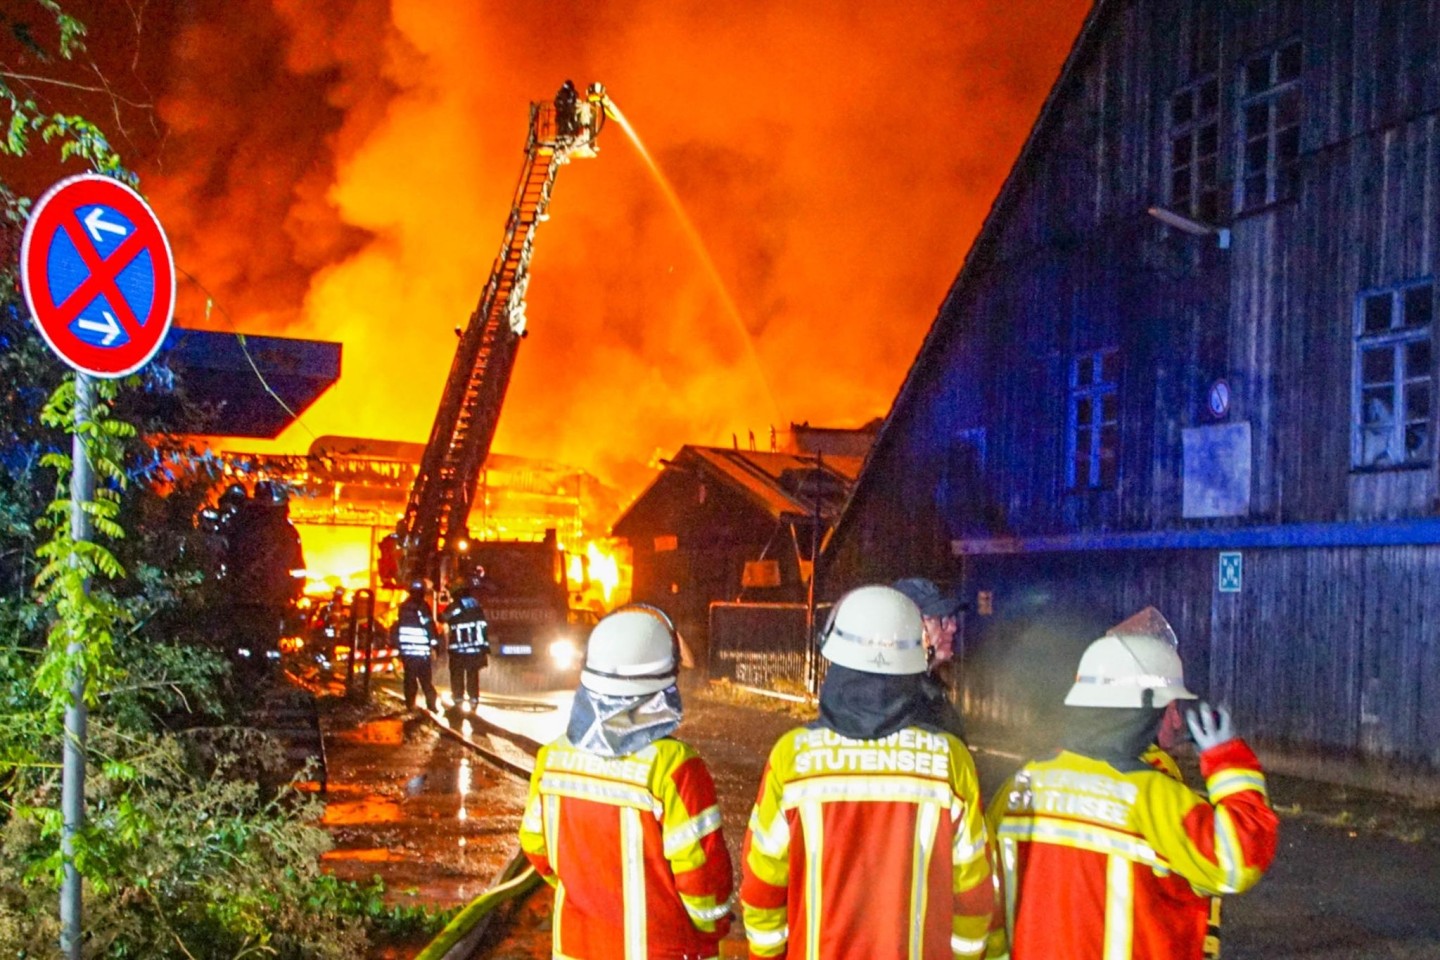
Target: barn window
x: 1270, y: 126
x: 1094, y: 428
x: 1195, y: 150
x: 1394, y: 376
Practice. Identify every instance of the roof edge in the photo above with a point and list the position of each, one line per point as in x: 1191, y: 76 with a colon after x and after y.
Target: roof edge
x: 983, y: 240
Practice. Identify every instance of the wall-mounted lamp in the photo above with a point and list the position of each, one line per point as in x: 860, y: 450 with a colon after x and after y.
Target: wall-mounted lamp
x: 1199, y: 228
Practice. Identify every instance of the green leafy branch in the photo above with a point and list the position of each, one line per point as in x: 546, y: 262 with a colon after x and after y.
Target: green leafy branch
x: 81, y: 640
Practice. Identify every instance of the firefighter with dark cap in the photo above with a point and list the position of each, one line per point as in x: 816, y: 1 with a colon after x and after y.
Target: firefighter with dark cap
x: 414, y: 633
x: 868, y: 836
x: 622, y: 818
x: 468, y: 646
x: 939, y: 614
x: 566, y: 110
x: 1103, y: 850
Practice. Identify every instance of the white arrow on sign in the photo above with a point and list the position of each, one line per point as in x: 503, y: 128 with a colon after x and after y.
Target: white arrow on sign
x: 95, y: 222
x: 110, y: 327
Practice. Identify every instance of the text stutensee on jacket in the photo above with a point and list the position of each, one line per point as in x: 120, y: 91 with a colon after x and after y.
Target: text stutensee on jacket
x: 906, y: 751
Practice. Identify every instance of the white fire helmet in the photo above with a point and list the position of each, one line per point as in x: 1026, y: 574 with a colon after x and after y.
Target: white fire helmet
x: 875, y: 629
x: 633, y: 650
x: 1135, y: 656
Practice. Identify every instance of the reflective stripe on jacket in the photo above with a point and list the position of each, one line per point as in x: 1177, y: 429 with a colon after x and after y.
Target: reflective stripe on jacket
x: 467, y: 626
x: 634, y: 850
x: 1101, y: 863
x: 867, y: 848
x: 414, y: 630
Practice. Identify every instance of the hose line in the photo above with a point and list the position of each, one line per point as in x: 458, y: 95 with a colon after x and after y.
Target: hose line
x: 461, y: 935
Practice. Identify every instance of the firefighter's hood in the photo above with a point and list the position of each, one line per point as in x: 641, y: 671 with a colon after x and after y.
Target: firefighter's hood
x: 868, y: 706
x: 616, y: 726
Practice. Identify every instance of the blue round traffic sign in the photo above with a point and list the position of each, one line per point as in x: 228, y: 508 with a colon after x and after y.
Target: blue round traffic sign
x: 98, y: 276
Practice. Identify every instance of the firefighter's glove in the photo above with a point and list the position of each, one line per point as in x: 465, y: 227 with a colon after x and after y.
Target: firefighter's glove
x: 1210, y: 727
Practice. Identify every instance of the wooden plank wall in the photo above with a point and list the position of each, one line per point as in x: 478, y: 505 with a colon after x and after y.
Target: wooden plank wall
x: 1324, y: 649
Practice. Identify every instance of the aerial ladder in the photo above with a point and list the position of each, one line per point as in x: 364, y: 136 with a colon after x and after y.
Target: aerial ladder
x: 440, y: 499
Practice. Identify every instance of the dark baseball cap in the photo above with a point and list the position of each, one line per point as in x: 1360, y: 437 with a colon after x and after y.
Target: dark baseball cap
x: 927, y: 597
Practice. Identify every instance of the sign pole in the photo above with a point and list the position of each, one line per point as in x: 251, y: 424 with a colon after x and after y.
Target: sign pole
x: 99, y: 279
x: 72, y: 786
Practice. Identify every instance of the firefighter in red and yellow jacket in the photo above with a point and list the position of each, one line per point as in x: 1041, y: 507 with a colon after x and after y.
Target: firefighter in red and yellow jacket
x: 621, y: 818
x: 1103, y: 852
x: 868, y: 839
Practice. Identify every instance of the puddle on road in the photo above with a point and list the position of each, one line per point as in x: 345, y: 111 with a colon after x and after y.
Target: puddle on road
x: 388, y: 730
x: 369, y: 810
x: 373, y: 855
x: 434, y: 822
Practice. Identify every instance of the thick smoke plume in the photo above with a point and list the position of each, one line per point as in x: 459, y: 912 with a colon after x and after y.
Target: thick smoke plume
x: 343, y: 170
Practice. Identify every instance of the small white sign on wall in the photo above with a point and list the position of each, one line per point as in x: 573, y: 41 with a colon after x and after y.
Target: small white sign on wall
x: 1216, y: 470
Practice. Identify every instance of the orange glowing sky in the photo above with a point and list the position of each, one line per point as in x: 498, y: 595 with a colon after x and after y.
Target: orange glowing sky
x: 343, y: 170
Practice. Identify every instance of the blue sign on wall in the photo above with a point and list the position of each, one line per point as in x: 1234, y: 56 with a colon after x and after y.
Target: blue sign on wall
x: 1232, y: 568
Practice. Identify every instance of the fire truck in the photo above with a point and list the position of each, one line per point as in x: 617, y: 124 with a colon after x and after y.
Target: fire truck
x: 534, y: 636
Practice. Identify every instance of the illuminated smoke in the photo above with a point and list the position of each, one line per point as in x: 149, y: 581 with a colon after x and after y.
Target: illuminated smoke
x: 343, y: 170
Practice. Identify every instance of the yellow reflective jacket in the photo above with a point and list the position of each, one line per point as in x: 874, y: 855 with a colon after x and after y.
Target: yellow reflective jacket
x: 1102, y: 861
x: 862, y: 849
x: 634, y: 850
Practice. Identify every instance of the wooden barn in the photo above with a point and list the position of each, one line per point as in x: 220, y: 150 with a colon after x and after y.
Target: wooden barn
x: 1190, y: 362
x: 725, y: 524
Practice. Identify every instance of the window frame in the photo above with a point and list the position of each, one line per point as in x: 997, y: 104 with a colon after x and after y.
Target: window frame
x: 1281, y: 179
x: 1094, y: 390
x: 1192, y: 130
x: 1397, y: 338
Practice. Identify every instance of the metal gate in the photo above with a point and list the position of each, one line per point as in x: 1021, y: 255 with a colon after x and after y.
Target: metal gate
x: 764, y: 645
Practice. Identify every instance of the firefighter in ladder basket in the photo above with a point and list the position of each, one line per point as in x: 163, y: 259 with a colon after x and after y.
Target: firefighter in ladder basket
x: 469, y: 648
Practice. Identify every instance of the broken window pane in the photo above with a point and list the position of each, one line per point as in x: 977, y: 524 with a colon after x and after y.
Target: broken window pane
x: 1417, y: 441
x: 1375, y: 406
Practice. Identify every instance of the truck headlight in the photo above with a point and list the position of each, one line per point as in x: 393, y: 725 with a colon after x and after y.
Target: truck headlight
x: 564, y: 653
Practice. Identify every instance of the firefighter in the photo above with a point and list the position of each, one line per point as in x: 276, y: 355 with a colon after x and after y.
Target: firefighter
x: 566, y: 110
x: 1103, y: 850
x: 264, y: 574
x: 939, y: 613
x: 326, y: 626
x: 415, y: 634
x: 868, y: 836
x: 622, y: 818
x: 468, y: 647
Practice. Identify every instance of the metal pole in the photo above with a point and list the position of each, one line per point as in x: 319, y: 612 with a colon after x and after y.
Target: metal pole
x: 72, y: 785
x: 369, y: 637
x: 812, y: 680
x: 354, y: 642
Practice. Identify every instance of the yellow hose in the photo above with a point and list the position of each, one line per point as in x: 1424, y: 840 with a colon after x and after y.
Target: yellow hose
x: 517, y: 879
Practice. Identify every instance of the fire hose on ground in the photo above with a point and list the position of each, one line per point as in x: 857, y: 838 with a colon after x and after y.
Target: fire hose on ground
x: 463, y: 934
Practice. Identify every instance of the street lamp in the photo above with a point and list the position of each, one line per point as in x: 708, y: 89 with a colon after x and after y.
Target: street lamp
x: 1197, y: 227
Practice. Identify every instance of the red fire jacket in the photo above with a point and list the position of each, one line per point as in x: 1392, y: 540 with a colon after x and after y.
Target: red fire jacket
x: 867, y: 849
x: 1100, y: 863
x: 633, y: 848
